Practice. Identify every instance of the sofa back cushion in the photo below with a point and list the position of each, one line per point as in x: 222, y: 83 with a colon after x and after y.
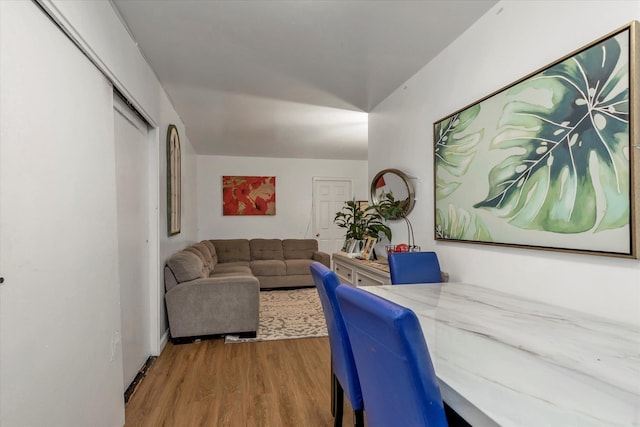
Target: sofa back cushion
x: 196, y: 252
x: 232, y: 250
x: 182, y: 267
x: 266, y: 249
x: 299, y: 248
x: 212, y: 251
x: 204, y: 250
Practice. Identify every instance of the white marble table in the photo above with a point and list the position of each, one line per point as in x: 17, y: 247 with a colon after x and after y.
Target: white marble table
x: 509, y: 361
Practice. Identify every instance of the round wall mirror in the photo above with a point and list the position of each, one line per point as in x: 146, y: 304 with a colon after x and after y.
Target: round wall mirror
x: 396, y: 182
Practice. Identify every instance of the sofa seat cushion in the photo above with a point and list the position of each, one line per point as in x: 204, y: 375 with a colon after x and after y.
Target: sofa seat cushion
x: 298, y: 266
x: 246, y: 273
x: 266, y: 249
x: 299, y: 248
x: 232, y: 267
x: 232, y: 250
x: 268, y: 268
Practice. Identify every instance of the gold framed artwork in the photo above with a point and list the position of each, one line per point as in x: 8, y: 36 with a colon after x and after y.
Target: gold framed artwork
x: 174, y: 177
x: 551, y: 161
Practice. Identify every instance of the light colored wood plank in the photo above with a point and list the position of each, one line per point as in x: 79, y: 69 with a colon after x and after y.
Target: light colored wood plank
x: 272, y: 383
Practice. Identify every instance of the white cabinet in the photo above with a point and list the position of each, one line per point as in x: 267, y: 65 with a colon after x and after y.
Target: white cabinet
x: 360, y: 272
x: 345, y: 272
x: 367, y: 279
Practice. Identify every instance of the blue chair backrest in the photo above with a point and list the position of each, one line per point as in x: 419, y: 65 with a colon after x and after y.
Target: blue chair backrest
x: 414, y: 267
x: 344, y: 366
x: 398, y: 381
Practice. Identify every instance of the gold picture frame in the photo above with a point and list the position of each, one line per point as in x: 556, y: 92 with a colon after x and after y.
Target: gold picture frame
x: 367, y: 250
x: 174, y: 184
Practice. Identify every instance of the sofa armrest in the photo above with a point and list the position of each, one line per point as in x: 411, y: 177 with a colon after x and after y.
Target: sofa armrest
x: 323, y: 258
x: 214, y: 305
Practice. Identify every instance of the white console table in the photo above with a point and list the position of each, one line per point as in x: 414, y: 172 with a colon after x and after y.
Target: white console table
x: 360, y: 272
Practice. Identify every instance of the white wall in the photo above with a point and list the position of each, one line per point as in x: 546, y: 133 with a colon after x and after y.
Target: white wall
x: 96, y: 27
x: 99, y: 32
x: 510, y: 41
x: 47, y: 356
x: 189, y: 226
x: 293, y: 194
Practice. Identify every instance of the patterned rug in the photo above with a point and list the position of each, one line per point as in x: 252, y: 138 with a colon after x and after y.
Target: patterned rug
x: 288, y: 314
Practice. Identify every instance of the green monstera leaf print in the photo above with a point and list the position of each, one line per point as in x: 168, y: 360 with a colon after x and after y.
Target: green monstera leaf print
x: 454, y: 150
x: 567, y: 169
x: 457, y: 225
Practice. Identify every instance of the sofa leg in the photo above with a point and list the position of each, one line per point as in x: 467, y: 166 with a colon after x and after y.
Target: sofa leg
x: 183, y: 340
x: 248, y: 334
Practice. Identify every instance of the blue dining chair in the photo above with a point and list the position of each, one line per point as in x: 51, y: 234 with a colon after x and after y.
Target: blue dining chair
x: 414, y: 267
x: 399, y: 384
x: 344, y: 376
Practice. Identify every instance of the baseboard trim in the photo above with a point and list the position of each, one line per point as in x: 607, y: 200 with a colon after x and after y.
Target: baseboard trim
x: 141, y: 373
x: 163, y: 341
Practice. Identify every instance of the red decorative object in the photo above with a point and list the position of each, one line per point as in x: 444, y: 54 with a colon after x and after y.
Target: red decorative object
x: 402, y: 247
x: 248, y: 195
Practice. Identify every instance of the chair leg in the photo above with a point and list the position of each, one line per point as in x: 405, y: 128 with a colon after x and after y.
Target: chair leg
x: 334, y: 380
x: 358, y: 418
x: 337, y: 402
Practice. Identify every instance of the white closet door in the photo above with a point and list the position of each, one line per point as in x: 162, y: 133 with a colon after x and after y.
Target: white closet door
x: 60, y: 354
x: 131, y: 144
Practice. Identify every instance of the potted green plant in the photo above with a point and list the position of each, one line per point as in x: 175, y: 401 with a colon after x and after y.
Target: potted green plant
x: 361, y: 222
x: 390, y: 209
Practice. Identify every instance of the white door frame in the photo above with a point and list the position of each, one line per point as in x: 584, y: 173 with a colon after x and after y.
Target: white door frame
x: 156, y: 280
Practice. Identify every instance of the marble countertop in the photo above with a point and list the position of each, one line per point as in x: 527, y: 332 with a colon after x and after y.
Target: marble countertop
x: 505, y: 360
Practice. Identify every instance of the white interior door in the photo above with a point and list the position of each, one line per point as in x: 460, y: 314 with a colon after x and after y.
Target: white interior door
x: 329, y: 195
x: 131, y: 145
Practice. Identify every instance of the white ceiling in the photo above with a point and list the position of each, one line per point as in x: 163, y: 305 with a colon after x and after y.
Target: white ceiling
x: 289, y: 78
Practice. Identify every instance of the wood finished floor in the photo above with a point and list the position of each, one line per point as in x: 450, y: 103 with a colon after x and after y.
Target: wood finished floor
x: 266, y: 384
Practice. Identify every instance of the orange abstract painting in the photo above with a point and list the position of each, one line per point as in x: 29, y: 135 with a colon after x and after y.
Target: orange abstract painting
x: 248, y: 195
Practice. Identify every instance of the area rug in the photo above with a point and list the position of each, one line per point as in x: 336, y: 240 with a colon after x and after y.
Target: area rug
x: 288, y: 314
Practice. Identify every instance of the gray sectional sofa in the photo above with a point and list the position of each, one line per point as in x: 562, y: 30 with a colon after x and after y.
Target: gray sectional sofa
x: 213, y: 287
